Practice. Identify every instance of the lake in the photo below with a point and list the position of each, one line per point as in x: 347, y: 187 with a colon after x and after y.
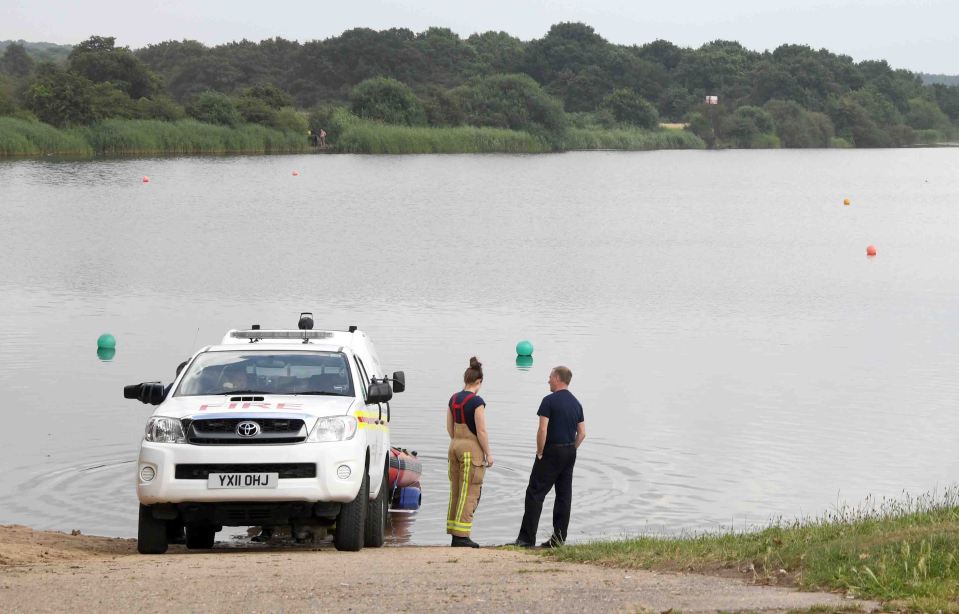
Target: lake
x: 738, y: 356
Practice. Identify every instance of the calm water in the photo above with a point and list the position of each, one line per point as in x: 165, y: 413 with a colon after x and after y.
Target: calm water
x: 737, y: 355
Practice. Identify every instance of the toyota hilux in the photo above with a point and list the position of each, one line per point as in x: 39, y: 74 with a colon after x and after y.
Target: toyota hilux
x: 268, y: 428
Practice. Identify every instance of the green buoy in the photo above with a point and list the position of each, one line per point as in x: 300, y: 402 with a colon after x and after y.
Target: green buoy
x: 524, y: 348
x: 106, y: 341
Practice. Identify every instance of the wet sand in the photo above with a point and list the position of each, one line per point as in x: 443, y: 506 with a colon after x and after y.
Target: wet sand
x: 43, y: 571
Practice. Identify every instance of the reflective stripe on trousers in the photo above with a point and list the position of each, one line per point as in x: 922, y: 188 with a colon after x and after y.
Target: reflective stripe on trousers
x: 466, y: 472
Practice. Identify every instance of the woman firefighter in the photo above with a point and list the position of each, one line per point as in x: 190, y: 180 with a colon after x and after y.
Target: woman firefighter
x: 469, y: 455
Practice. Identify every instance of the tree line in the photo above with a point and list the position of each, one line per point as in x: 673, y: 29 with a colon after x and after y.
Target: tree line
x: 793, y: 96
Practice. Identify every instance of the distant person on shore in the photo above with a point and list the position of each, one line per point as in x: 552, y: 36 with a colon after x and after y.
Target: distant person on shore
x: 322, y: 137
x: 561, y: 431
x: 469, y: 455
x: 314, y: 138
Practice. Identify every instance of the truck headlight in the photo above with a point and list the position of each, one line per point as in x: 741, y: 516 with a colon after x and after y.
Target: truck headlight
x: 164, y: 430
x: 334, y: 428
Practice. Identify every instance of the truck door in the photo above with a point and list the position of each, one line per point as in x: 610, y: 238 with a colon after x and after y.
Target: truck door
x: 374, y: 426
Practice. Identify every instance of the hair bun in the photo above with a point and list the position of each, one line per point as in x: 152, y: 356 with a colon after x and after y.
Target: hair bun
x: 475, y: 364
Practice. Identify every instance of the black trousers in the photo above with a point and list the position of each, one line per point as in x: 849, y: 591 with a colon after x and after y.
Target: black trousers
x: 554, y: 469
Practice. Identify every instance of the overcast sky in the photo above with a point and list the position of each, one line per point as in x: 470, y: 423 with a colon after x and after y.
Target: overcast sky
x: 917, y: 34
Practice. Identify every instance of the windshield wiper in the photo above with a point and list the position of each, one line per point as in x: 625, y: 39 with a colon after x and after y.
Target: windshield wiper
x: 321, y: 392
x: 245, y: 392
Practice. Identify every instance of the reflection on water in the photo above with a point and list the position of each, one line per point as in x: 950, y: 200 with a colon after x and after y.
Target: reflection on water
x: 524, y: 363
x: 736, y: 355
x: 106, y: 354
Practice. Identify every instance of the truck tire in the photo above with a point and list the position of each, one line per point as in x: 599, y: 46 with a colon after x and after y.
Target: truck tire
x: 174, y: 531
x: 351, y: 521
x: 374, y: 535
x: 199, y: 536
x: 151, y: 533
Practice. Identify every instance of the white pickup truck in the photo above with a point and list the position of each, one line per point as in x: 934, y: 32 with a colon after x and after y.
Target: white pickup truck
x: 269, y: 428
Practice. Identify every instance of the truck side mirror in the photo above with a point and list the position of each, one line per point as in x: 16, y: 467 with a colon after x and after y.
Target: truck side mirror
x: 379, y: 392
x: 399, y: 381
x: 149, y: 393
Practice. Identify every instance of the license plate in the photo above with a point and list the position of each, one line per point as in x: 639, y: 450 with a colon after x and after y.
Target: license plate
x: 242, y: 480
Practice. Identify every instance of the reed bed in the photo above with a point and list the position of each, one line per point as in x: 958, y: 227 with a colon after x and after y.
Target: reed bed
x: 144, y: 137
x: 375, y: 138
x: 141, y: 136
x: 904, y: 552
x: 630, y: 139
x: 19, y: 137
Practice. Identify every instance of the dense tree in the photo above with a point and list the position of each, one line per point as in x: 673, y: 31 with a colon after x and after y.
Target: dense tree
x: 719, y: 68
x: 747, y: 125
x: 100, y: 61
x: 495, y: 52
x: 510, y: 101
x: 290, y: 119
x: 855, y: 124
x: 6, y: 103
x: 675, y: 102
x: 925, y: 114
x: 436, y: 77
x: 15, y: 61
x: 567, y: 48
x: 214, y: 108
x: 947, y: 97
x: 60, y: 97
x: 441, y: 108
x: 628, y: 107
x: 387, y: 100
x: 662, y: 52
x: 797, y: 127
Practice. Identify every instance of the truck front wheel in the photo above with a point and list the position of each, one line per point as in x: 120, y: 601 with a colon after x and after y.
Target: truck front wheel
x: 351, y: 521
x: 151, y: 533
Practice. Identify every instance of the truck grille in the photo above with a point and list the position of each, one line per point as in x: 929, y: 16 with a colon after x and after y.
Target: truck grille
x: 285, y: 470
x: 224, y: 431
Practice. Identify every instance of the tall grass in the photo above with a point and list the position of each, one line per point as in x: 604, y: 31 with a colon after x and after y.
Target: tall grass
x: 904, y: 552
x: 348, y: 134
x: 630, y: 139
x: 141, y: 137
x: 19, y: 137
x: 376, y: 138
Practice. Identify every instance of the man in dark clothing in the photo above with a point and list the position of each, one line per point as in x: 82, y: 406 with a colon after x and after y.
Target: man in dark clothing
x: 561, y: 431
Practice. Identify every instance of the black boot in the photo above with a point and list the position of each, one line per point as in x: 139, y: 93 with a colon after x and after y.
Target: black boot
x: 463, y: 542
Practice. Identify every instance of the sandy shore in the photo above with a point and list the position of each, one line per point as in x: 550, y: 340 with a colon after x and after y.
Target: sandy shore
x: 44, y: 571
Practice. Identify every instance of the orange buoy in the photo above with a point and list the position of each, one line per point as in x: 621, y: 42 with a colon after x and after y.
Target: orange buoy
x: 146, y: 179
x: 296, y: 173
x: 846, y: 202
x: 871, y: 250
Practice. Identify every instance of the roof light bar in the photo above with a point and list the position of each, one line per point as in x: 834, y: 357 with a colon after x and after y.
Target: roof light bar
x: 280, y: 334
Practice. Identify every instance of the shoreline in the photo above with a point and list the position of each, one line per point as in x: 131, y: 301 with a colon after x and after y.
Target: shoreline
x: 42, y: 570
x: 332, y: 152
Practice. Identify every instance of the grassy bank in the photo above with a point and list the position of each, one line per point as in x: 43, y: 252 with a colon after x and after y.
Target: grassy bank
x: 143, y: 137
x: 633, y: 139
x: 373, y: 138
x: 904, y: 553
x: 25, y: 138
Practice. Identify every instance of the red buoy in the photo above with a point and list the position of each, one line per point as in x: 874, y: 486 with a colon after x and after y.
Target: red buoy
x: 296, y: 173
x: 146, y: 179
x: 871, y: 250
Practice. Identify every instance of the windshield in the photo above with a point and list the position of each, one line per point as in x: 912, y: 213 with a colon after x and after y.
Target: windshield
x: 322, y: 373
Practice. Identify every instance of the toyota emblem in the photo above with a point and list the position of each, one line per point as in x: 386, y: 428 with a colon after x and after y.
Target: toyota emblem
x: 248, y: 429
